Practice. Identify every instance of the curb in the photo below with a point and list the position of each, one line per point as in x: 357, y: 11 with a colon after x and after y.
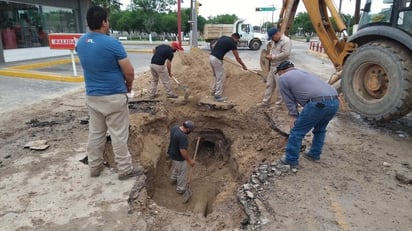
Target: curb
x: 25, y: 71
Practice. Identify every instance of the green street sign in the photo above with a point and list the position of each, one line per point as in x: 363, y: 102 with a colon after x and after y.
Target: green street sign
x: 265, y: 8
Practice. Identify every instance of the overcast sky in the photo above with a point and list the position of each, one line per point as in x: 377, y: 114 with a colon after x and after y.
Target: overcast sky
x: 245, y: 9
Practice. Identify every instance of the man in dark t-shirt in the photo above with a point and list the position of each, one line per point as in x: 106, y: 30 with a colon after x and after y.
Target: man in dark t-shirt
x: 180, y: 157
x: 222, y: 46
x: 162, y: 54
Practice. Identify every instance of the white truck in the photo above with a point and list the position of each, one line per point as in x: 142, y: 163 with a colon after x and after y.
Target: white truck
x: 248, y: 38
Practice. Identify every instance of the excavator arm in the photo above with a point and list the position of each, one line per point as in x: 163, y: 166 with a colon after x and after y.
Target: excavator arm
x: 336, y: 48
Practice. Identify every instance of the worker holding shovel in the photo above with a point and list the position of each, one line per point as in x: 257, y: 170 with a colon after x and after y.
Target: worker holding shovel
x: 161, y: 68
x: 180, y: 157
x: 280, y: 49
x: 223, y: 45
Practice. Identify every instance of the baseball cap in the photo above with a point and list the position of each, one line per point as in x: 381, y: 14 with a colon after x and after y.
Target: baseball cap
x: 189, y: 125
x: 272, y: 31
x: 284, y: 65
x: 177, y: 46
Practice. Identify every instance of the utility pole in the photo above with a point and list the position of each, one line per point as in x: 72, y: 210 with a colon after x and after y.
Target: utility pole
x: 194, y: 6
x: 179, y: 23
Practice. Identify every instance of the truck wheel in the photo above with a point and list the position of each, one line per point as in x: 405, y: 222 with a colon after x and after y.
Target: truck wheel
x: 255, y: 44
x: 377, y: 81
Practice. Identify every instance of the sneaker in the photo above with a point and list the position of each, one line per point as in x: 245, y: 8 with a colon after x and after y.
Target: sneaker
x: 262, y: 105
x: 95, y: 172
x: 282, y: 161
x: 309, y: 157
x: 219, y: 98
x: 172, y: 96
x: 136, y: 171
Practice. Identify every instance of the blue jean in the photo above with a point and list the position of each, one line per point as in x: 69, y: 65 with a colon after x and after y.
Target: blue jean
x: 313, y: 116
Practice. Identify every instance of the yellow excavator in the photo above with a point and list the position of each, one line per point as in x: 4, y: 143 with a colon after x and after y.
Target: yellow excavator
x: 374, y: 65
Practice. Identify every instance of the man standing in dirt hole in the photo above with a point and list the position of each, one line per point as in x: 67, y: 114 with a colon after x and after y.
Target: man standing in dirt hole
x: 179, y: 155
x: 108, y: 76
x: 280, y: 48
x: 162, y: 54
x: 223, y: 45
x: 320, y: 103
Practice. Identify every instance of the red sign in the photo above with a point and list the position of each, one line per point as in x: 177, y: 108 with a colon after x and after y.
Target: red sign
x: 65, y: 41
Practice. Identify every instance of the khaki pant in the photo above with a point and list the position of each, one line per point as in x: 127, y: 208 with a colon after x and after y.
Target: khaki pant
x: 271, y: 83
x: 219, y: 73
x: 160, y: 72
x: 179, y: 175
x: 109, y: 113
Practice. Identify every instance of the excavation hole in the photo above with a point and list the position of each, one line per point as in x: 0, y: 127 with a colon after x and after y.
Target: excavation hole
x: 211, y: 172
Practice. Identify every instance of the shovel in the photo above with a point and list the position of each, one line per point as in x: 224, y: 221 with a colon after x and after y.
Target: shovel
x: 254, y: 72
x: 188, y: 193
x: 184, y: 89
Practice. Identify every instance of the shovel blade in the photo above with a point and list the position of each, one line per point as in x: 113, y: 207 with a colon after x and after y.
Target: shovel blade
x: 187, y: 195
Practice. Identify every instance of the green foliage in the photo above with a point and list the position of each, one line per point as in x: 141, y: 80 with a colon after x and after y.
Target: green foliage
x: 223, y: 19
x: 153, y: 6
x: 109, y: 5
x: 302, y: 22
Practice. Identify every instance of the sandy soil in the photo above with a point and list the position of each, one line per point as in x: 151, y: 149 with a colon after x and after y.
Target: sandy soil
x: 355, y: 187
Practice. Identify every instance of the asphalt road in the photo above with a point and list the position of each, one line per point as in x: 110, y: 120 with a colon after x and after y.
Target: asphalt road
x: 18, y: 92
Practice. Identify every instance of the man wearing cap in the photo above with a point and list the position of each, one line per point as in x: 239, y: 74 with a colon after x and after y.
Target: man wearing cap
x: 163, y: 54
x: 280, y: 48
x: 179, y: 155
x: 223, y: 45
x: 320, y: 104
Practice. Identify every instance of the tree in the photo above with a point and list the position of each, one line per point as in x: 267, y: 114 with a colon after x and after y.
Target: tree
x: 302, y: 24
x: 108, y: 5
x: 223, y: 19
x: 149, y: 8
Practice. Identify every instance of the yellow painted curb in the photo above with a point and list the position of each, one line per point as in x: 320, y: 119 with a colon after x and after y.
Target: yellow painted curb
x: 139, y: 51
x: 44, y: 64
x: 41, y: 75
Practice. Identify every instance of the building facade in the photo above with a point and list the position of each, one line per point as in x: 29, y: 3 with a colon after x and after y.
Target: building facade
x: 27, y: 23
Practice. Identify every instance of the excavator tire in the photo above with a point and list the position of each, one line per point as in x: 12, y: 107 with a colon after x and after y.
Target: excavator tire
x: 377, y: 80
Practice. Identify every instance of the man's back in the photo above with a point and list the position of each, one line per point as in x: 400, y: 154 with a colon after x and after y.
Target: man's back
x: 223, y: 45
x: 99, y: 55
x: 162, y: 52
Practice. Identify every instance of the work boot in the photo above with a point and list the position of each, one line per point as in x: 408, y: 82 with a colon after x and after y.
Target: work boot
x: 135, y: 171
x: 262, y: 105
x: 282, y: 162
x: 309, y: 157
x: 95, y: 172
x: 219, y: 98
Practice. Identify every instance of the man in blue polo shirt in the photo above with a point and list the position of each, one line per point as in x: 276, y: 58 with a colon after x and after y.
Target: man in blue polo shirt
x: 108, y: 76
x: 223, y: 45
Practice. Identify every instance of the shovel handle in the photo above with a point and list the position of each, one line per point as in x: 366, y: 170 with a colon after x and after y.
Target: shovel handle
x: 194, y: 158
x: 177, y: 81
